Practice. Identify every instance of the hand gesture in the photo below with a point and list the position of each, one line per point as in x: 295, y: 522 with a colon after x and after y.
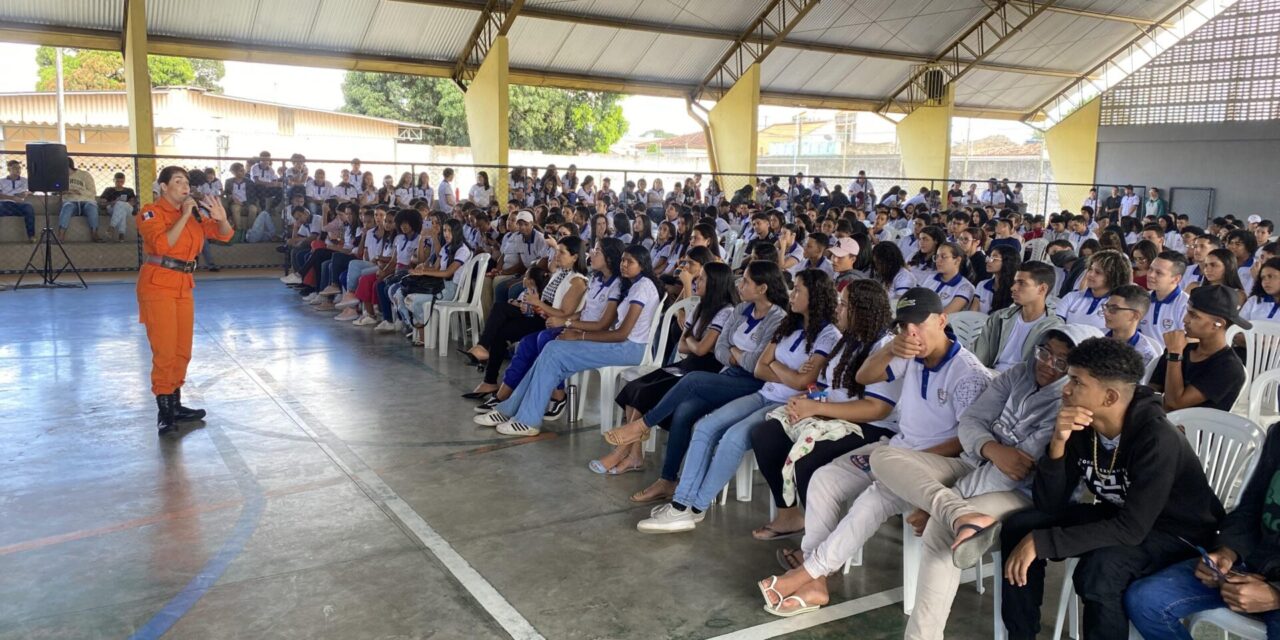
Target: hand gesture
x: 216, y: 211
x: 1071, y: 419
x: 1175, y: 341
x: 907, y: 345
x: 1011, y: 461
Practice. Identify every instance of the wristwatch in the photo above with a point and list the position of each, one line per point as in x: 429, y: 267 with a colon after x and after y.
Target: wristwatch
x: 1173, y: 357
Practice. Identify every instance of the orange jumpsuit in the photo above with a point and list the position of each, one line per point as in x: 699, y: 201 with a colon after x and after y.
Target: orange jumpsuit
x: 165, y: 304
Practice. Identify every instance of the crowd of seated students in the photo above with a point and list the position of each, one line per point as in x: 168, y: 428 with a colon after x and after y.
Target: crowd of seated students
x: 827, y: 354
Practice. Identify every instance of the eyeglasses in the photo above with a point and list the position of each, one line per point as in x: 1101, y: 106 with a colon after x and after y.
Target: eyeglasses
x: 1044, y: 356
x: 1115, y: 308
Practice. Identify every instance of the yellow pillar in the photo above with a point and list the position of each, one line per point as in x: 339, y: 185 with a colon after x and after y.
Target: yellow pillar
x: 733, y: 124
x: 137, y: 79
x: 487, y: 104
x: 1073, y: 152
x: 924, y: 137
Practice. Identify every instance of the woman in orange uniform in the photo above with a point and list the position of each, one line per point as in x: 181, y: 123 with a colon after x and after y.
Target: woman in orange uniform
x: 173, y: 232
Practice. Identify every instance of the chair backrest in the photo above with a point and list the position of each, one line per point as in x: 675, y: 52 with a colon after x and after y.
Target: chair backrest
x: 1226, y: 445
x: 1263, y: 391
x: 669, y: 318
x: 967, y: 325
x: 473, y: 285
x: 1150, y: 369
x: 1037, y: 248
x: 1262, y: 345
x: 739, y: 253
x: 654, y: 333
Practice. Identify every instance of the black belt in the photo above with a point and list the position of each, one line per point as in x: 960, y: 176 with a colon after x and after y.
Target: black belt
x: 174, y: 264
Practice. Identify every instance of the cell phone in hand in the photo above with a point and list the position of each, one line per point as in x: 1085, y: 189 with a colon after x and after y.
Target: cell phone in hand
x: 1204, y: 558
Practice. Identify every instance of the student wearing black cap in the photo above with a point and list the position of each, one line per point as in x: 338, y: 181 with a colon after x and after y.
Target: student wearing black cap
x: 1207, y: 374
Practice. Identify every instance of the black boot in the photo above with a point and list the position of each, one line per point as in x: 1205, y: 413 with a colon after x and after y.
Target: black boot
x: 184, y: 414
x: 165, y: 422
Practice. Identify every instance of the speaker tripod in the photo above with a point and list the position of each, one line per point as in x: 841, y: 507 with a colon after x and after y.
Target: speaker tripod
x: 49, y: 277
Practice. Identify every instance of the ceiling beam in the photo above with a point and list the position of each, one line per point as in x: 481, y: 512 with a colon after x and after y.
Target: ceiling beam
x: 494, y: 21
x: 239, y: 52
x: 771, y: 26
x: 711, y: 34
x: 1098, y: 15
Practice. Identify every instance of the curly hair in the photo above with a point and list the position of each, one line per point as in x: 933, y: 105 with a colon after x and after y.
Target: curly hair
x: 1115, y: 267
x: 822, y: 308
x: 1107, y: 360
x: 869, y: 316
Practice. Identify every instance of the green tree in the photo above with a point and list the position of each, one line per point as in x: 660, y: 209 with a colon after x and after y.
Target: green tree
x: 94, y: 70
x: 541, y: 118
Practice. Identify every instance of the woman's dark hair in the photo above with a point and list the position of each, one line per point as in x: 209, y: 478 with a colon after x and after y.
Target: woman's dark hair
x: 458, y: 240
x: 595, y: 219
x: 769, y: 275
x: 701, y: 255
x: 797, y: 231
x: 1230, y: 276
x: 642, y: 256
x: 1010, y: 263
x: 822, y: 307
x: 411, y: 217
x: 540, y: 277
x: 765, y: 252
x: 708, y: 231
x: 938, y: 237
x: 483, y: 178
x: 611, y: 249
x: 646, y: 233
x: 1148, y: 250
x: 1113, y: 238
x: 1271, y: 263
x: 672, y: 235
x: 886, y: 262
x: 622, y: 225
x: 1090, y: 245
x: 577, y: 248
x: 955, y: 250
x: 869, y: 318
x: 718, y: 294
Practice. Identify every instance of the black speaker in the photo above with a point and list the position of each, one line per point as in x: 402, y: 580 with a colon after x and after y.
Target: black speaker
x: 47, y: 168
x: 934, y: 84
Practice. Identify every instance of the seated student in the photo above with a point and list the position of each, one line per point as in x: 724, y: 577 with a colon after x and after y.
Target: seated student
x: 1067, y: 265
x: 1207, y: 374
x: 923, y: 263
x: 1152, y: 496
x: 844, y: 256
x: 949, y: 282
x: 1123, y: 311
x: 791, y: 240
x: 931, y: 366
x: 798, y: 352
x: 994, y: 292
x: 1262, y: 304
x: 1008, y: 427
x: 1218, y: 267
x: 1106, y: 271
x: 621, y: 345
x: 697, y: 341
x: 13, y: 194
x: 740, y: 345
x: 119, y: 201
x: 1006, y: 235
x: 1244, y: 572
x: 298, y: 244
x: 890, y: 270
x: 1011, y: 334
x: 815, y: 257
x: 814, y: 431
x: 411, y: 249
x: 1168, y: 300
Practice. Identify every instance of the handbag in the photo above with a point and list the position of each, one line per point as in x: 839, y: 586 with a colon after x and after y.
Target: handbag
x: 428, y: 285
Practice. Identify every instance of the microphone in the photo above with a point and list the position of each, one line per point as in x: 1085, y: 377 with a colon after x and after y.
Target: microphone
x: 197, y: 209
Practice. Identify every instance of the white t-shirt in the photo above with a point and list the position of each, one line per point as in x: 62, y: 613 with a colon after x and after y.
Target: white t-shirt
x: 516, y: 249
x: 717, y: 322
x: 1129, y: 205
x: 481, y: 195
x: 948, y: 290
x: 447, y: 197
x: 994, y: 198
x: 933, y: 398
x: 12, y: 187
x: 406, y: 248
x: 796, y: 251
x: 1080, y: 307
x: 644, y: 294
x: 403, y: 196
x: 823, y: 265
x: 239, y: 191
x: 886, y: 391
x: 1259, y: 308
x: 600, y: 293
x: 1164, y: 316
x: 792, y: 352
x: 1012, y: 352
x: 460, y: 257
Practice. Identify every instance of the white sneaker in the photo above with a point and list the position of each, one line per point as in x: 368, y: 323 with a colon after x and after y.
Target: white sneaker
x: 491, y: 419
x: 385, y: 327
x: 330, y: 290
x: 319, y: 299
x: 365, y: 321
x: 348, y: 304
x: 697, y: 517
x: 311, y: 299
x: 347, y: 315
x: 292, y: 278
x: 517, y: 429
x: 666, y: 519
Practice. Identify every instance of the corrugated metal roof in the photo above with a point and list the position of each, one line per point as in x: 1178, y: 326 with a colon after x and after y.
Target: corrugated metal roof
x: 83, y: 14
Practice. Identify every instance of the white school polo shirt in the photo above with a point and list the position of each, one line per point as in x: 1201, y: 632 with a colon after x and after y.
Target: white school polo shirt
x: 717, y: 323
x: 406, y: 248
x: 887, y: 391
x: 372, y: 245
x: 823, y: 265
x: 319, y: 190
x: 424, y: 193
x: 1144, y: 345
x: 796, y: 251
x: 1164, y: 315
x: 460, y: 256
x: 1260, y: 308
x: 903, y: 282
x: 1081, y: 307
x: 644, y: 294
x: 934, y: 397
x: 1246, y: 276
x: 948, y: 290
x: 403, y: 196
x: 600, y: 293
x: 345, y: 192
x: 745, y: 337
x: 792, y: 352
x: 12, y: 187
x: 986, y: 293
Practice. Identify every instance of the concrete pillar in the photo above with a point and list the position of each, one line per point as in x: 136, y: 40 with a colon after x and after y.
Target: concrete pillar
x: 137, y: 80
x: 734, y: 123
x: 924, y: 137
x: 487, y: 103
x: 1073, y: 152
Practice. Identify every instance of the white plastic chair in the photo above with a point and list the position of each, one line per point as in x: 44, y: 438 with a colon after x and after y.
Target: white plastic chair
x: 738, y: 253
x: 1226, y: 445
x: 967, y: 325
x: 1038, y: 247
x: 1234, y: 624
x: 1263, y: 393
x: 466, y: 307
x: 609, y: 375
x: 628, y: 374
x: 1262, y: 350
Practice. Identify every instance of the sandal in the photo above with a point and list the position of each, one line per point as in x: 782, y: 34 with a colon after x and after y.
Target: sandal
x: 616, y: 439
x: 804, y: 607
x: 970, y: 550
x: 598, y: 467
x: 771, y: 589
x: 786, y: 556
x: 619, y: 470
x: 773, y: 534
x: 639, y: 497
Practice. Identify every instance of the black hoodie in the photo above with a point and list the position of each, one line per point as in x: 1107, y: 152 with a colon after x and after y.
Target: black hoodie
x: 1157, y: 483
x: 1252, y: 529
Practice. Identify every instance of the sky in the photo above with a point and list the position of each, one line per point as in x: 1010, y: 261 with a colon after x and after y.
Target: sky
x: 322, y: 89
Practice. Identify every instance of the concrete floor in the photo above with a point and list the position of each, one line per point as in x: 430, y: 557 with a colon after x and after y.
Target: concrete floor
x: 340, y: 490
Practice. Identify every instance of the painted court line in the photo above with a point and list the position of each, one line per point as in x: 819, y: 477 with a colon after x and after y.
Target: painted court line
x: 484, y: 593
x: 783, y: 626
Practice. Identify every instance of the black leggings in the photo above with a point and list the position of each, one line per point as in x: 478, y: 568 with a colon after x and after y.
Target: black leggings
x: 772, y: 445
x: 506, y: 324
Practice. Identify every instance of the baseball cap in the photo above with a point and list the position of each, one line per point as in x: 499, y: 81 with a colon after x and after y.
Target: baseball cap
x: 916, y: 305
x: 1255, y: 219
x: 845, y: 247
x: 1220, y: 301
x: 524, y: 216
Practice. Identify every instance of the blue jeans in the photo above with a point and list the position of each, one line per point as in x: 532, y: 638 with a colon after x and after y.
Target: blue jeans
x: 559, y: 360
x: 88, y: 209
x: 719, y: 441
x: 697, y: 394
x: 355, y: 270
x: 526, y: 354
x: 28, y: 213
x: 1157, y: 603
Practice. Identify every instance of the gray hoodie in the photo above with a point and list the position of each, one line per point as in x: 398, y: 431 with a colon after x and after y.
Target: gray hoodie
x: 1013, y: 411
x: 763, y: 334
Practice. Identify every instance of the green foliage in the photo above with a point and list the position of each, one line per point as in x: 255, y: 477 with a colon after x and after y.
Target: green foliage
x: 541, y: 118
x: 659, y: 134
x: 93, y: 70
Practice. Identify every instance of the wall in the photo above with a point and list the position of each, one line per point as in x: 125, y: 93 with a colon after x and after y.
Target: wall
x: 1237, y: 159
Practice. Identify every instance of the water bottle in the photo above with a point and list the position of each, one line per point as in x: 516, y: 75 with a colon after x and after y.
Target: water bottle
x: 571, y: 396
x: 817, y: 393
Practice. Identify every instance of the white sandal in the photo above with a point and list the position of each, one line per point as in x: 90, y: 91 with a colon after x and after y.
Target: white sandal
x: 804, y: 607
x: 765, y: 591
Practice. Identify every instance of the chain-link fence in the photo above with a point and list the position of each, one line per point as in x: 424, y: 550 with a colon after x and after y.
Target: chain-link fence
x: 102, y: 235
